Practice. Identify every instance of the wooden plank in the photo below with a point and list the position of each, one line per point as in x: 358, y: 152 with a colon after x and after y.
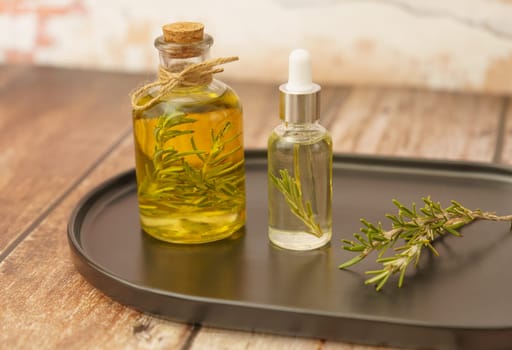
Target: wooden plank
x: 46, y: 304
x: 7, y: 75
x: 261, y: 112
x: 505, y: 155
x: 416, y: 123
x: 213, y: 338
x: 54, y: 125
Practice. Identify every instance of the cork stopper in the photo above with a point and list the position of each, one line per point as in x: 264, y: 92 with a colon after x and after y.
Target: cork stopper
x: 183, y: 32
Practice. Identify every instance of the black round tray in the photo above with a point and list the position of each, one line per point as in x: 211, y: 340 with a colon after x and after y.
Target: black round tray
x: 458, y: 300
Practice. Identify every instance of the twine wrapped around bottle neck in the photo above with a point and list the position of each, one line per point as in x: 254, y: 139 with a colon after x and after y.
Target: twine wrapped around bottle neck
x: 193, y: 75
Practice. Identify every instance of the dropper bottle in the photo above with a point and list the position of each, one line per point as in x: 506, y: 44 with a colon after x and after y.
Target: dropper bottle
x: 300, y: 164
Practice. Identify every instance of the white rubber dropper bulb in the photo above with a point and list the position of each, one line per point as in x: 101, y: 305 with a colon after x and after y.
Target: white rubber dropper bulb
x: 299, y: 72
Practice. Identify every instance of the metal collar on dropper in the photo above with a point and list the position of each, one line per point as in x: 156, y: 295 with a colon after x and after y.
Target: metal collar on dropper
x: 299, y: 97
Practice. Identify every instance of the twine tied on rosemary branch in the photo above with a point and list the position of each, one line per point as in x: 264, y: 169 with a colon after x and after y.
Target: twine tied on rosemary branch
x: 417, y: 230
x: 192, y: 75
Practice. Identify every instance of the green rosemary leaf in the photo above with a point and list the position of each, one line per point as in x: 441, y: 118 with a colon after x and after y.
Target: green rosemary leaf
x: 147, y: 206
x: 309, y: 210
x: 383, y: 281
x: 166, y: 136
x: 401, y: 248
x: 230, y: 187
x: 361, y: 239
x: 194, y: 146
x: 403, y: 210
x: 230, y: 169
x: 147, y: 171
x: 168, y: 168
x: 452, y: 231
x: 223, y: 131
x: 406, y: 212
x: 438, y: 225
x: 417, y: 259
x: 401, y: 278
x: 384, y: 248
x: 383, y: 260
x: 427, y: 211
x: 367, y: 224
x: 167, y: 122
x: 414, y: 211
x: 394, y: 219
x: 351, y: 262
x: 355, y: 248
x: 226, y: 155
x: 379, y: 238
x: 377, y: 278
x: 411, y: 224
x: 231, y: 139
x: 431, y: 247
x: 174, y: 119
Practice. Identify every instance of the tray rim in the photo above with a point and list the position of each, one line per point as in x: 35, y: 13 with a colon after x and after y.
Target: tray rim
x: 483, y: 169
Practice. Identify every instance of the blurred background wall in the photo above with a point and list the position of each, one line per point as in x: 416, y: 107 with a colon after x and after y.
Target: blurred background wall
x: 442, y: 44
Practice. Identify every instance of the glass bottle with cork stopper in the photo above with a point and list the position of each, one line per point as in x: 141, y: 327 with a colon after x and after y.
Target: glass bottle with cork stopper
x: 188, y: 143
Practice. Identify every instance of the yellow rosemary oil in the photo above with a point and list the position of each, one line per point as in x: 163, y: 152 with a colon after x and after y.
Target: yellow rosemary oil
x: 189, y: 155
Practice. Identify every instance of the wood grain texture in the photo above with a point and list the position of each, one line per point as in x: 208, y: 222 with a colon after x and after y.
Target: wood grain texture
x: 506, y: 129
x: 417, y: 123
x: 213, y: 338
x: 8, y: 74
x: 46, y: 304
x: 260, y: 111
x: 54, y: 124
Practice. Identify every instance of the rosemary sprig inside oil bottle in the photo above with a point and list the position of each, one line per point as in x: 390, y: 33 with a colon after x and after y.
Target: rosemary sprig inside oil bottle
x: 416, y: 230
x: 190, y: 174
x: 192, y: 179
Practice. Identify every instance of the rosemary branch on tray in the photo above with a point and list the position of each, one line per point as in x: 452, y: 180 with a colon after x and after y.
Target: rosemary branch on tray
x: 415, y: 230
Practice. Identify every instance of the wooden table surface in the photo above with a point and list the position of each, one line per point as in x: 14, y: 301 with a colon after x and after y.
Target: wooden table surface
x: 62, y: 132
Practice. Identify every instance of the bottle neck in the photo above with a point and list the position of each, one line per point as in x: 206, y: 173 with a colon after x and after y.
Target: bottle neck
x: 300, y: 131
x: 300, y: 125
x: 175, y: 57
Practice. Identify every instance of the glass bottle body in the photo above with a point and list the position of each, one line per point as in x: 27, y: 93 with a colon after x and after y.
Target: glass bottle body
x: 190, y: 161
x: 300, y: 186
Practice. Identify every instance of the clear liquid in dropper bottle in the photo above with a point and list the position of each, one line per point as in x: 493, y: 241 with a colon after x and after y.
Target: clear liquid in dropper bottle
x: 300, y: 165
